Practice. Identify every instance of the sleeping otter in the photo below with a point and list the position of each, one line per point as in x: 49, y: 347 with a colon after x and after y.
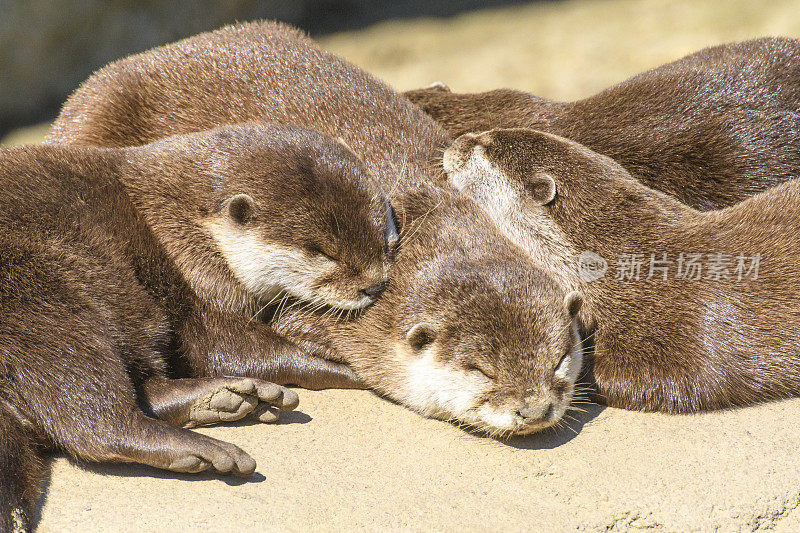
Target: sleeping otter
x: 100, y: 311
x: 688, y: 310
x: 450, y: 335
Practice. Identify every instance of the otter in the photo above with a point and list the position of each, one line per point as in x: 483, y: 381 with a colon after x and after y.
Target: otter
x: 101, y: 310
x: 295, y: 215
x: 451, y: 335
x: 688, y: 310
x: 710, y: 129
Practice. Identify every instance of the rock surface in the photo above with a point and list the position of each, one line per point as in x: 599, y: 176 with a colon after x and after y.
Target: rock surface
x: 352, y: 461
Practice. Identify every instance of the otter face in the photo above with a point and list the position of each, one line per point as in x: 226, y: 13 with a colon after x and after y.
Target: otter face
x: 505, y: 172
x: 478, y: 356
x: 305, y: 219
x: 494, y: 169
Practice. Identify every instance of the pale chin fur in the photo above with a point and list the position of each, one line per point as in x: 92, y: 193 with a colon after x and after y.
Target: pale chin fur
x: 437, y: 391
x: 267, y: 270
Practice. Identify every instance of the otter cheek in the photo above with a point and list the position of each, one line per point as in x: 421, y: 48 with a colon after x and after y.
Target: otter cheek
x: 438, y: 390
x: 494, y: 419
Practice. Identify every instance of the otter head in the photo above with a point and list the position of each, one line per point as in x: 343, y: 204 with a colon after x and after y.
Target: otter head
x: 468, y: 330
x: 297, y: 213
x: 512, y: 175
x: 498, y: 170
x: 492, y: 345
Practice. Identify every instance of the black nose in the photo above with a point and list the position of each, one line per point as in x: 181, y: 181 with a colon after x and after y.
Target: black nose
x: 375, y: 290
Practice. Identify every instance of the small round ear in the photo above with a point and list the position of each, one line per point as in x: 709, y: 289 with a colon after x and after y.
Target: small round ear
x: 541, y: 188
x: 421, y: 335
x: 241, y: 208
x: 573, y: 302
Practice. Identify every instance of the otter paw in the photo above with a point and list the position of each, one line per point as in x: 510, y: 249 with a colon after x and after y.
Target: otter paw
x: 229, y: 401
x: 235, y: 399
x: 223, y: 457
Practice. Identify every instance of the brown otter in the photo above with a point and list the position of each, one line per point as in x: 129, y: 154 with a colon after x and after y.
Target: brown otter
x: 98, y: 314
x: 697, y: 310
x: 295, y: 212
x: 711, y: 129
x: 450, y: 337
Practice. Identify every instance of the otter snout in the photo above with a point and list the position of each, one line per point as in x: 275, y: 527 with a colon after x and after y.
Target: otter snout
x: 536, y: 411
x: 535, y: 415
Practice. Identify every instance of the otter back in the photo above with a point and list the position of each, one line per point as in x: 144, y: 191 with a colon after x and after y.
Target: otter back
x: 710, y: 129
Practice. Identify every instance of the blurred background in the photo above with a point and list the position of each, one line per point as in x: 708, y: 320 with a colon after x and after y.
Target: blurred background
x: 561, y: 49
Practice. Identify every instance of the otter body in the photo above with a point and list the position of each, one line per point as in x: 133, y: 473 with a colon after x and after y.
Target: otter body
x: 697, y: 310
x: 710, y: 129
x: 443, y: 356
x: 98, y: 317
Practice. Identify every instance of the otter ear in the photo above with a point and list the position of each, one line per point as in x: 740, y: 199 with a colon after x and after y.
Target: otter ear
x: 573, y: 302
x: 241, y: 208
x: 421, y: 335
x: 541, y: 188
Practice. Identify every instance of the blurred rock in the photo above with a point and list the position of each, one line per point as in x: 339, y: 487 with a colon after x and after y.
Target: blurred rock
x: 48, y: 47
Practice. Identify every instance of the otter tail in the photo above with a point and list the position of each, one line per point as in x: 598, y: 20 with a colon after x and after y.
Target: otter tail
x: 21, y: 470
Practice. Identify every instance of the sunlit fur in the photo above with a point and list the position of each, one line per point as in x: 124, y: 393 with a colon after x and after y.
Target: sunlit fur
x: 442, y: 389
x: 471, y: 172
x: 659, y: 344
x: 267, y: 269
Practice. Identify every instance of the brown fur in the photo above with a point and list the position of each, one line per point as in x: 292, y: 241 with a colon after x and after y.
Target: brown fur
x: 97, y: 316
x: 265, y: 71
x: 301, y: 183
x: 710, y: 129
x: 672, y: 345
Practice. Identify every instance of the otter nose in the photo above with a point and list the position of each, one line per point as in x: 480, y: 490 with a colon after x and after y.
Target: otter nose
x: 541, y: 411
x: 375, y: 290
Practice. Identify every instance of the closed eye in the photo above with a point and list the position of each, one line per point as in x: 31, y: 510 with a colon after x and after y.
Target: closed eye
x: 471, y: 367
x: 316, y: 251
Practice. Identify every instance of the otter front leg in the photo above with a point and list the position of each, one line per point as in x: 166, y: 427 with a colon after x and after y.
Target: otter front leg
x: 219, y: 344
x: 193, y: 402
x: 156, y: 443
x: 314, y: 373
